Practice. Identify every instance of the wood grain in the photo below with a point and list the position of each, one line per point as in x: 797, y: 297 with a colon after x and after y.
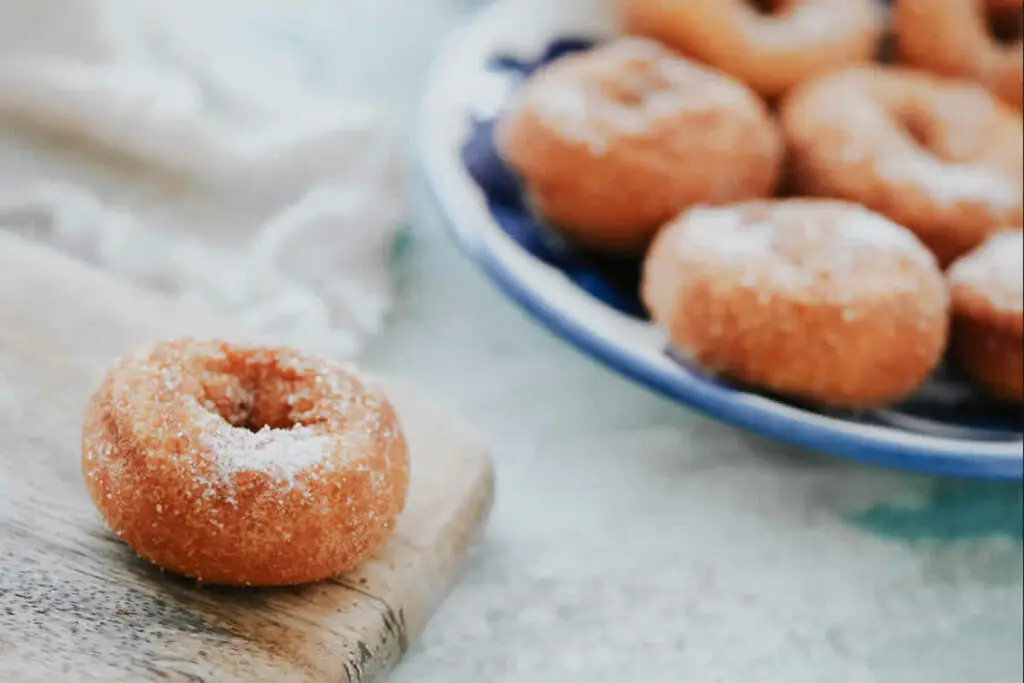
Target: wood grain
x: 77, y: 605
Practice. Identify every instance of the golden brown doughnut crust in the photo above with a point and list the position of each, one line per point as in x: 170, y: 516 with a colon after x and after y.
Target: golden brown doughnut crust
x: 942, y: 157
x: 951, y: 38
x: 987, y: 293
x: 991, y: 358
x: 800, y: 39
x: 613, y: 142
x: 1005, y: 4
x: 244, y: 465
x: 818, y: 300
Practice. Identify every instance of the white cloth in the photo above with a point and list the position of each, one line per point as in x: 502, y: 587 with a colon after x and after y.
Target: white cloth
x: 196, y: 167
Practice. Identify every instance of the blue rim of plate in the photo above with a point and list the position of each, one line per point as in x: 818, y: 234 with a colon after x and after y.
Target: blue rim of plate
x: 887, y: 446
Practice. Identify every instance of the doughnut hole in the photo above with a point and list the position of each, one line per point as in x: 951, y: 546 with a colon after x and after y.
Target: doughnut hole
x: 978, y: 40
x: 939, y: 156
x: 254, y: 392
x: 932, y: 133
x: 766, y: 7
x: 918, y: 124
x: 952, y: 121
x: 774, y: 8
x: 1005, y: 24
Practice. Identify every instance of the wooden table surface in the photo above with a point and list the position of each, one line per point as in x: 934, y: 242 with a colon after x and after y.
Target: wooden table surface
x: 77, y: 605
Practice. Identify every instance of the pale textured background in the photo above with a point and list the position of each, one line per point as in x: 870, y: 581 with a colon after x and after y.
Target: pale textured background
x: 633, y: 541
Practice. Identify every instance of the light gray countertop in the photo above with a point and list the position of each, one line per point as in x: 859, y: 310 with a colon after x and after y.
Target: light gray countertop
x: 632, y: 540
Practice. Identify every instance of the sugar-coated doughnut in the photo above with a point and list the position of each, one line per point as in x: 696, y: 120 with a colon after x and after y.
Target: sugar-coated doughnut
x: 987, y: 293
x: 822, y: 301
x: 942, y: 157
x: 244, y: 465
x: 955, y: 38
x: 770, y: 49
x: 613, y: 142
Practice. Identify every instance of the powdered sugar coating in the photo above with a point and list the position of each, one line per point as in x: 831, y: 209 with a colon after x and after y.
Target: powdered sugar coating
x: 939, y: 156
x: 280, y: 452
x: 816, y: 299
x: 974, y: 41
x: 244, y: 464
x: 805, y: 245
x: 954, y: 166
x: 961, y: 110
x: 995, y: 270
x: 627, y: 88
x: 613, y: 142
x: 950, y: 173
x: 948, y: 183
x: 315, y: 401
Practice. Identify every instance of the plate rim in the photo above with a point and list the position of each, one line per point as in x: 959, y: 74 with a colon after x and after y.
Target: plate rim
x: 891, y: 449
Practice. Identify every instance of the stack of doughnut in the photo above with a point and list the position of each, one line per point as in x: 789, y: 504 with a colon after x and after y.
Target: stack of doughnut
x: 814, y: 221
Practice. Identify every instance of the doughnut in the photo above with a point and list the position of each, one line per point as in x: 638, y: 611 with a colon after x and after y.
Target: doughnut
x: 243, y: 465
x: 821, y: 301
x: 942, y: 157
x: 987, y: 294
x: 613, y: 142
x: 972, y: 39
x: 769, y: 45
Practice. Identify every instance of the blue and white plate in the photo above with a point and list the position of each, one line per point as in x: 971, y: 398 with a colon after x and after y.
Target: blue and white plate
x: 591, y: 301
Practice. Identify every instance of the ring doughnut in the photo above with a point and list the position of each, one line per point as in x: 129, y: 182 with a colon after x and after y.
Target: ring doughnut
x: 613, y: 142
x: 818, y: 300
x: 243, y: 465
x: 770, y: 45
x: 956, y: 38
x: 987, y: 293
x: 942, y: 157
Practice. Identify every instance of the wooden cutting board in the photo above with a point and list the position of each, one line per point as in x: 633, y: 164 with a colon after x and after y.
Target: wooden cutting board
x: 77, y: 605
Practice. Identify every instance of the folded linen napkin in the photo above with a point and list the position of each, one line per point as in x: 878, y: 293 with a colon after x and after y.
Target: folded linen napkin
x: 197, y: 167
